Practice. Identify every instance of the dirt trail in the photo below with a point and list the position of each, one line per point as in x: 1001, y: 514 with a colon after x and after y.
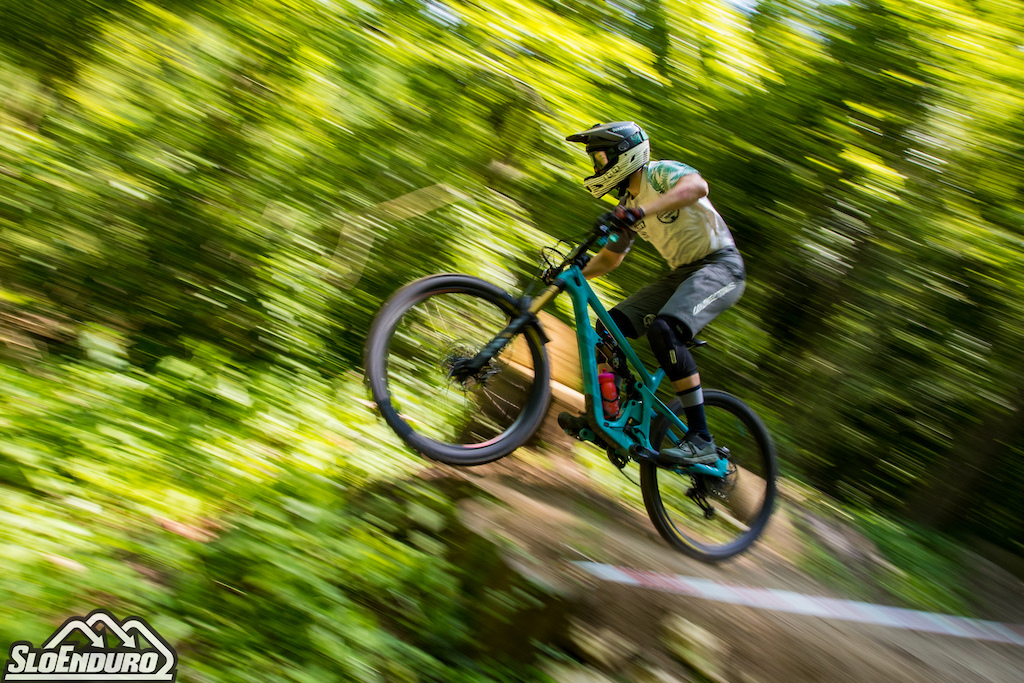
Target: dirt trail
x: 545, y: 516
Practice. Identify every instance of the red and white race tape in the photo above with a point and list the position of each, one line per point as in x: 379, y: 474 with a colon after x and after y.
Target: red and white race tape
x: 808, y: 605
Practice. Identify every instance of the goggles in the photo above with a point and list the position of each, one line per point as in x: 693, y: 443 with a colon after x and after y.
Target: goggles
x: 599, y: 158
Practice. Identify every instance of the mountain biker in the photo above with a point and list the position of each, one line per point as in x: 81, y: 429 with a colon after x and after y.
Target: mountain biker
x: 666, y: 203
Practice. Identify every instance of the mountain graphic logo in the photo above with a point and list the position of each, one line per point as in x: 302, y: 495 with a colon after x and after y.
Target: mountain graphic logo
x: 140, y: 655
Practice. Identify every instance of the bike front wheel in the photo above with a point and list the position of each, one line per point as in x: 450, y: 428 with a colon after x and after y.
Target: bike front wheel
x: 706, y: 517
x: 412, y: 360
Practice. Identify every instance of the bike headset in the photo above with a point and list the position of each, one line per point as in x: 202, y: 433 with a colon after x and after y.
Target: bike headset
x: 625, y: 148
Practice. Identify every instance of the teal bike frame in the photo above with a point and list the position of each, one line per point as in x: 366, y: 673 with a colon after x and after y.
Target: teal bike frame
x: 632, y: 427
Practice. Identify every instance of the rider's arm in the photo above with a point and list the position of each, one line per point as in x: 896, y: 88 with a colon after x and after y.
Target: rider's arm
x: 609, y: 258
x: 690, y: 188
x: 603, y: 262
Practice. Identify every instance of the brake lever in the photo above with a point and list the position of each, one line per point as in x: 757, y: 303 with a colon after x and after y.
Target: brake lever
x: 601, y: 235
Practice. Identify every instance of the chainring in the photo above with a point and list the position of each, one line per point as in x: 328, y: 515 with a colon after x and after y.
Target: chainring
x: 616, y: 459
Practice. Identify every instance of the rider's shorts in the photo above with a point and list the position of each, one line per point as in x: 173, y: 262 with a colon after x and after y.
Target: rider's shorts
x: 693, y: 295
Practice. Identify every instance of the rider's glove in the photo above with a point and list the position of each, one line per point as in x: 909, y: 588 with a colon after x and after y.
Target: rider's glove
x: 621, y: 218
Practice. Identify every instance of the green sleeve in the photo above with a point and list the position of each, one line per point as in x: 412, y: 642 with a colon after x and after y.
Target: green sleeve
x: 663, y: 175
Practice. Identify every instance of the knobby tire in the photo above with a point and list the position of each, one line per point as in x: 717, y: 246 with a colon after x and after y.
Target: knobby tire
x: 531, y: 414
x: 677, y: 537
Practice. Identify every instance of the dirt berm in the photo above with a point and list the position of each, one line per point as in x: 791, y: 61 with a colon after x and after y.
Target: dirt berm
x: 543, y: 516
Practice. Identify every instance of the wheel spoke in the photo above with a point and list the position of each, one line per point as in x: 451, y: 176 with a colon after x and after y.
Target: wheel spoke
x: 493, y: 396
x: 441, y: 318
x: 448, y: 413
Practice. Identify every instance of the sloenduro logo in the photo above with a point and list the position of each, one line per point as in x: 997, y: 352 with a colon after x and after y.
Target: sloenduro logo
x: 127, y: 662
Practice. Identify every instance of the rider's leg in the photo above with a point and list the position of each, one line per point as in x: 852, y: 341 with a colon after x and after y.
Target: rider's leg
x: 668, y: 341
x: 710, y: 286
x: 623, y: 322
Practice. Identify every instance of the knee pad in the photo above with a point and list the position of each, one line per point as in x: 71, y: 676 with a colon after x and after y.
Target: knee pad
x: 672, y: 354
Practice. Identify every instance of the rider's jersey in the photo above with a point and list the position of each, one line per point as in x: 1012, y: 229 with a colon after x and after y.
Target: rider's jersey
x: 681, y: 236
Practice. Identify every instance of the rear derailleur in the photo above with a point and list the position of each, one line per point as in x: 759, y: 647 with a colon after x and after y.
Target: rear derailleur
x: 698, y: 493
x: 717, y: 487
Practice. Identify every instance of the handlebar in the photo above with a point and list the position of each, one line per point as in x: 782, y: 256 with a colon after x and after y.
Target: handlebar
x: 598, y: 237
x: 468, y: 367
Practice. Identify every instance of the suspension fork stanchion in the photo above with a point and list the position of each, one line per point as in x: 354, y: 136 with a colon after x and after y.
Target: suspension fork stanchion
x: 495, y: 346
x: 546, y: 297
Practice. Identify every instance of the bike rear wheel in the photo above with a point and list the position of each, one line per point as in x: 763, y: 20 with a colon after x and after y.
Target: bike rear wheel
x: 412, y: 359
x: 741, y: 503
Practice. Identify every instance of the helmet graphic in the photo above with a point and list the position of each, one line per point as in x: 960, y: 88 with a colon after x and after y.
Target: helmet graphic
x: 617, y: 149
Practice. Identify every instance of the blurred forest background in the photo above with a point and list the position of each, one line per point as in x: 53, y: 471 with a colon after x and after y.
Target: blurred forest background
x: 193, y: 247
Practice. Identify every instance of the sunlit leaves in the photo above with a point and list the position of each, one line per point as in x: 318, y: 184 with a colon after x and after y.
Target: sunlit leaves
x: 192, y: 206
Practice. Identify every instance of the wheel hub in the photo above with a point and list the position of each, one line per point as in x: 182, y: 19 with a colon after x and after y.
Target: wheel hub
x: 455, y: 365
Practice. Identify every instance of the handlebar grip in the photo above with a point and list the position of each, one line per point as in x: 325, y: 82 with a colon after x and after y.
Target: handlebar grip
x: 607, y: 238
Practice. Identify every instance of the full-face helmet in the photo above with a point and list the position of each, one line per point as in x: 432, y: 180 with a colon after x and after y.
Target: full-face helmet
x: 617, y: 150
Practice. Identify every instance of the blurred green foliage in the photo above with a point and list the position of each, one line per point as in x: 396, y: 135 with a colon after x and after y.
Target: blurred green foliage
x: 195, y: 239
x: 241, y: 518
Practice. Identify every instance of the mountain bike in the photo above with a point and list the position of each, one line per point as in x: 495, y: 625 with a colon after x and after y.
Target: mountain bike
x: 458, y: 369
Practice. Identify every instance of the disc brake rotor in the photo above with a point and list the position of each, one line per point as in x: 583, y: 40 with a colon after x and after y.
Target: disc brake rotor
x: 455, y: 355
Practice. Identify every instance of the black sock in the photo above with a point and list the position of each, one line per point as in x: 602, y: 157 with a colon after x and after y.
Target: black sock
x: 693, y: 405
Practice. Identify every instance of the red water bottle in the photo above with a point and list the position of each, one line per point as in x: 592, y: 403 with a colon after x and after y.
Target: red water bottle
x: 609, y: 394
